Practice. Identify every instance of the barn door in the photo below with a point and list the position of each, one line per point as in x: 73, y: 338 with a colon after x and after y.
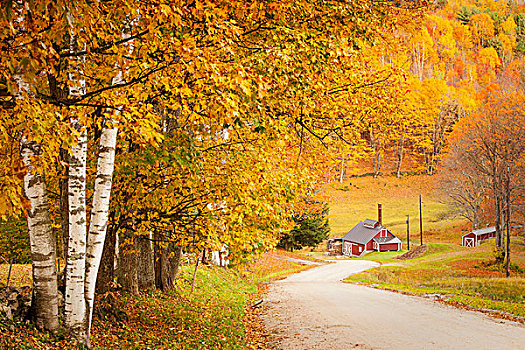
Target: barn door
x: 469, y: 242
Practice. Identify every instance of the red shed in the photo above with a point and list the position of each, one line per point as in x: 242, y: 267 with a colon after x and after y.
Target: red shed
x: 369, y: 236
x: 474, y: 238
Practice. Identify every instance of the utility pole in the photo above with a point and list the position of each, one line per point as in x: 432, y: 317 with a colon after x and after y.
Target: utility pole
x: 408, y: 232
x: 420, y: 223
x: 507, y: 218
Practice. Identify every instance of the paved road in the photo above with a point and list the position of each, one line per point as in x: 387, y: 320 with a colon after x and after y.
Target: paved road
x: 315, y: 310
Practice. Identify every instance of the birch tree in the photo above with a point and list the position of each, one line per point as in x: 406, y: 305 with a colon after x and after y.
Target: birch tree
x: 102, y: 193
x: 75, y: 305
x: 42, y: 240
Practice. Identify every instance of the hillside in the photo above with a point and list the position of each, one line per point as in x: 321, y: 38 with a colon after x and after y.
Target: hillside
x: 356, y: 199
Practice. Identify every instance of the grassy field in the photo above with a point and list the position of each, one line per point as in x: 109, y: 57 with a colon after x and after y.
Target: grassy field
x: 464, y: 274
x: 357, y: 198
x: 212, y: 317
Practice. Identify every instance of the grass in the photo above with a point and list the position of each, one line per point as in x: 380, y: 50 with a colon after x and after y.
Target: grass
x: 209, y: 318
x: 20, y: 275
x: 357, y: 199
x: 461, y: 272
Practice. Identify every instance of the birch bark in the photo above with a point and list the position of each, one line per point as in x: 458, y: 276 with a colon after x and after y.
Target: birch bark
x: 42, y: 240
x: 102, y: 193
x: 99, y: 214
x: 75, y: 305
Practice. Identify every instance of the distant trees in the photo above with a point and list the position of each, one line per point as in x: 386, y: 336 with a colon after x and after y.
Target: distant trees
x: 486, y: 162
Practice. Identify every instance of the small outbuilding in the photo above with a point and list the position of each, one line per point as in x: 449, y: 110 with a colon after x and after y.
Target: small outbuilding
x: 369, y: 236
x: 474, y: 238
x: 334, y: 246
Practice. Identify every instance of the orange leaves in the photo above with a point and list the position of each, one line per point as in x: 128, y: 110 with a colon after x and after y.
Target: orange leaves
x: 488, y: 61
x: 482, y: 28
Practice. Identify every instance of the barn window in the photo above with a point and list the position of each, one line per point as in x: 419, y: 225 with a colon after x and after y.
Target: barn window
x: 360, y: 249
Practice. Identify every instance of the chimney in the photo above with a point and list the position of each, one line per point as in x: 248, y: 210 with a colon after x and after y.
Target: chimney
x: 380, y: 214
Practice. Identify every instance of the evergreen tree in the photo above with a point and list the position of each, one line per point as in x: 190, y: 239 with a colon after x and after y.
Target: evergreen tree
x: 311, y: 227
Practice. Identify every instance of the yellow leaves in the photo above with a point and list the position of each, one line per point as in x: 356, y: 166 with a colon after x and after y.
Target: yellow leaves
x: 488, y: 60
x: 508, y: 26
x: 508, y: 43
x: 482, y: 28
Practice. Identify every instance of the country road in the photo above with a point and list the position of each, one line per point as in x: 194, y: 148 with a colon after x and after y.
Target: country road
x: 315, y: 310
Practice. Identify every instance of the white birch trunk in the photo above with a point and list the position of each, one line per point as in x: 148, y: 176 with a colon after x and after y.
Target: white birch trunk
x: 42, y: 240
x: 99, y: 215
x: 101, y: 196
x: 75, y: 304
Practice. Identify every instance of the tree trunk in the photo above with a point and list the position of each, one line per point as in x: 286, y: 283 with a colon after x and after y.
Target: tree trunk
x: 41, y: 238
x: 99, y: 213
x: 75, y: 303
x: 64, y: 203
x: 146, y: 269
x: 507, y: 217
x: 42, y: 242
x: 499, y: 234
x: 106, y: 271
x: 128, y: 263
x: 475, y: 220
x: 167, y: 268
x: 377, y: 156
x: 400, y: 150
x: 342, y: 175
x: 377, y: 165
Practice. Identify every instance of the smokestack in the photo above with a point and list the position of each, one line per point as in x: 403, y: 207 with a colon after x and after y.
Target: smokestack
x: 380, y: 214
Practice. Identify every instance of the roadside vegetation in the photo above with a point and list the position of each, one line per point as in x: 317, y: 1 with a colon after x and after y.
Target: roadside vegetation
x: 210, y: 317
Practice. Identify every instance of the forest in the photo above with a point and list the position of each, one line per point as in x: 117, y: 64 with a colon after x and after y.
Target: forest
x: 134, y: 133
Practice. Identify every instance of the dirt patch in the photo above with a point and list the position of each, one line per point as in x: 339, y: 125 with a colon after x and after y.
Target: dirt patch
x: 413, y: 253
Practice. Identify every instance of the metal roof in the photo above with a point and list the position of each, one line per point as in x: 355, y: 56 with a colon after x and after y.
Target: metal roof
x: 362, y: 234
x: 387, y: 240
x: 483, y: 231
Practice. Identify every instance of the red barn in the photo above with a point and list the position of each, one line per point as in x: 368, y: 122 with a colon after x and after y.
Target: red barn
x: 369, y: 236
x: 474, y: 238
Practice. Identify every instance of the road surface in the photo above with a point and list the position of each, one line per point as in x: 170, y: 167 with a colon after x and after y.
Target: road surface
x: 315, y: 310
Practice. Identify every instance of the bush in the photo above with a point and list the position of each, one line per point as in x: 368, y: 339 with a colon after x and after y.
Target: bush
x: 14, y: 241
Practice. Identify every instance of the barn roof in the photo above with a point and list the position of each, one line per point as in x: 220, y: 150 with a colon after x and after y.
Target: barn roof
x: 483, y: 231
x: 362, y: 234
x: 387, y: 240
